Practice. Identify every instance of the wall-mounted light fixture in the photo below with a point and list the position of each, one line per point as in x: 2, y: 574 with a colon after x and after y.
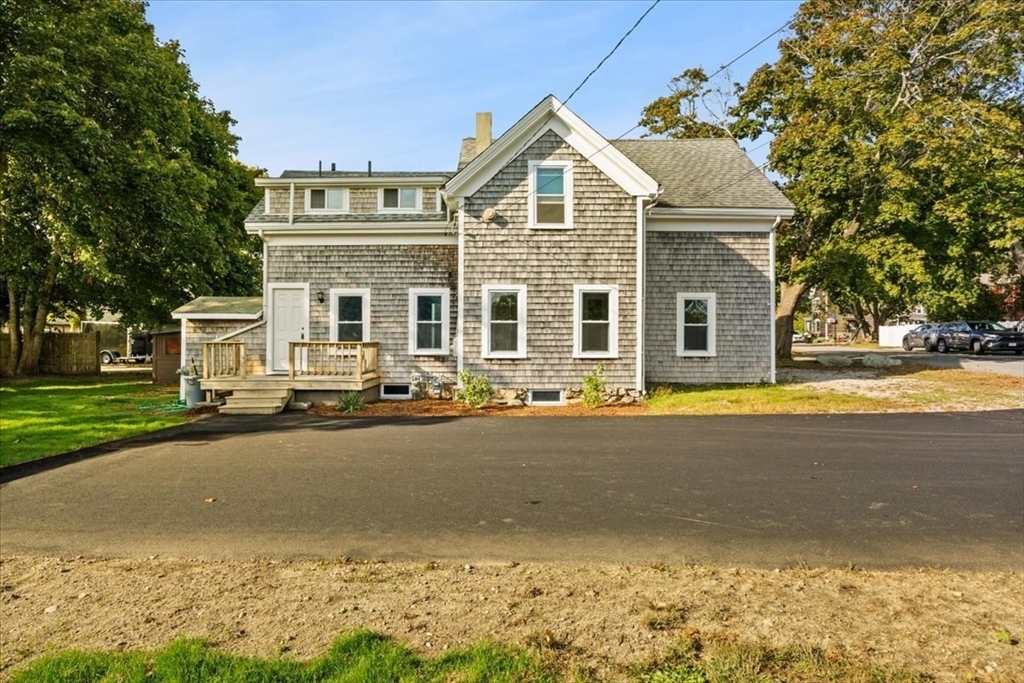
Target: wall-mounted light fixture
x: 320, y: 296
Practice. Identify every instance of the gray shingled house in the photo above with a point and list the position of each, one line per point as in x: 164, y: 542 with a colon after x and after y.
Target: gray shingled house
x: 549, y: 250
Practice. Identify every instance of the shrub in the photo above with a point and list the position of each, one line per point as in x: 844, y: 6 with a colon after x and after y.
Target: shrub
x: 475, y: 389
x: 593, y: 387
x: 350, y: 401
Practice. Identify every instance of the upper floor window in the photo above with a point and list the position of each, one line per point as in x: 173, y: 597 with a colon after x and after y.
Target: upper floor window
x: 334, y: 199
x: 550, y: 204
x: 399, y: 199
x: 695, y: 324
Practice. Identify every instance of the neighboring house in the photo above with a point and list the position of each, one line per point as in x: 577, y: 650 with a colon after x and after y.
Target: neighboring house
x: 549, y: 251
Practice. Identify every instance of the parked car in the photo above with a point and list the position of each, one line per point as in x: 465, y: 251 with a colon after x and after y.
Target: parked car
x: 978, y: 336
x: 918, y: 337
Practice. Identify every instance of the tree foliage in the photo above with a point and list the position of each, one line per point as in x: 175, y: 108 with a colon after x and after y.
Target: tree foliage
x: 119, y: 187
x: 899, y: 131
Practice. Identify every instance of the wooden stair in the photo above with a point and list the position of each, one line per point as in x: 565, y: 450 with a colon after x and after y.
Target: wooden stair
x: 256, y: 401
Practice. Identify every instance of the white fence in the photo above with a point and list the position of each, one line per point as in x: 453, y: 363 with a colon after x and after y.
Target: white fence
x: 892, y: 335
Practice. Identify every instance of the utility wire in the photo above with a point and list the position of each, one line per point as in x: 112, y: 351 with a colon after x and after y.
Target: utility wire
x: 617, y: 45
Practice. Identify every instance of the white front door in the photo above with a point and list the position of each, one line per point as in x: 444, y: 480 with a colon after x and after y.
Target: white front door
x: 288, y: 307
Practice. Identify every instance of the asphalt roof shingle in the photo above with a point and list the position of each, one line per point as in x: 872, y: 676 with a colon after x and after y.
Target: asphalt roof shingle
x: 713, y: 173
x: 221, y: 305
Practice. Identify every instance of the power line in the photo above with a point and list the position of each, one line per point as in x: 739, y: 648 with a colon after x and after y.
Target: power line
x: 601, y: 63
x: 752, y: 48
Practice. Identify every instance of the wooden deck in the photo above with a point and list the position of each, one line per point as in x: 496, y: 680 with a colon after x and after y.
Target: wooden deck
x: 312, y: 366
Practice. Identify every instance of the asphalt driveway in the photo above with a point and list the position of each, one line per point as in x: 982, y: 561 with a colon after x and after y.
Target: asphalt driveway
x: 999, y: 364
x: 869, y: 490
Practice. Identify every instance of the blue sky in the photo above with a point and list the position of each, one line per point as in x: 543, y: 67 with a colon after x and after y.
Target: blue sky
x: 399, y: 83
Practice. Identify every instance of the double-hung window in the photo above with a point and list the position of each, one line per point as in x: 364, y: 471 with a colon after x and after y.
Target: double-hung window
x: 504, y: 321
x: 695, y: 324
x: 399, y: 199
x: 550, y: 204
x: 350, y: 315
x: 327, y: 199
x: 595, y: 321
x: 429, y: 311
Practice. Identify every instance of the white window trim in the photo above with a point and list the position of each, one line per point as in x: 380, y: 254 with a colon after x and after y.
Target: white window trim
x: 446, y: 299
x: 344, y: 200
x: 613, y: 321
x: 531, y: 219
x: 485, y: 336
x: 712, y: 324
x: 334, y: 294
x: 380, y: 200
x: 531, y: 401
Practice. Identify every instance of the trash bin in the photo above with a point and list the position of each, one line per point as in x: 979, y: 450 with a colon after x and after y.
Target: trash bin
x: 193, y: 392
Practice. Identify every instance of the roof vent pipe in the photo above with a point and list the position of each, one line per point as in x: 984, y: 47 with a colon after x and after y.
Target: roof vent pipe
x: 319, y: 168
x: 333, y: 167
x: 369, y: 169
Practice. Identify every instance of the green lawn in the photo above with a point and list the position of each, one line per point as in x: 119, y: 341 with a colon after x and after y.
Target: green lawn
x: 46, y: 416
x: 757, y: 400
x: 365, y: 657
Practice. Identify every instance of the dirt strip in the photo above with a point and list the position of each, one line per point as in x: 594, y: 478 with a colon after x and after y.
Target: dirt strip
x: 953, y: 626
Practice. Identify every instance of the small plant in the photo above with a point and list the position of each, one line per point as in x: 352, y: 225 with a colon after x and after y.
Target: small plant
x: 350, y: 402
x: 475, y: 390
x: 593, y: 387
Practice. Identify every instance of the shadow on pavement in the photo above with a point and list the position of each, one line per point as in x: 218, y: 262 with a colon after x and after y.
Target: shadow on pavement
x: 212, y: 428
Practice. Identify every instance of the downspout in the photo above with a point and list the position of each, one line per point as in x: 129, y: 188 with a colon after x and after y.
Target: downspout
x: 641, y: 284
x: 291, y: 203
x: 460, y: 307
x: 771, y: 290
x: 184, y: 358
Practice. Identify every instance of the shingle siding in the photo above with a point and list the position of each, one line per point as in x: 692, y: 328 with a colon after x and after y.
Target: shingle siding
x: 199, y: 331
x: 361, y: 200
x: 389, y: 271
x: 600, y: 249
x: 736, y: 268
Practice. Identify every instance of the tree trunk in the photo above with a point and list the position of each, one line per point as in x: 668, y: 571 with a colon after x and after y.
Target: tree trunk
x: 789, y: 298
x: 13, y: 331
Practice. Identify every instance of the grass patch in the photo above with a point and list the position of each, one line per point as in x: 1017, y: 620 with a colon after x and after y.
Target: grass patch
x: 366, y: 657
x: 757, y: 400
x: 362, y: 657
x: 47, y: 416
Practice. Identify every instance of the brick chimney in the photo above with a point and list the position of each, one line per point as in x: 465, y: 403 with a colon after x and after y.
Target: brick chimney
x: 483, y: 131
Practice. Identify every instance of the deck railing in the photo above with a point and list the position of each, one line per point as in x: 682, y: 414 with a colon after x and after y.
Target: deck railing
x: 223, y: 359
x: 331, y: 359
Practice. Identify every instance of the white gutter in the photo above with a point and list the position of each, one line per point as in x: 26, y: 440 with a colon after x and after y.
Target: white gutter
x: 355, y: 181
x: 723, y: 212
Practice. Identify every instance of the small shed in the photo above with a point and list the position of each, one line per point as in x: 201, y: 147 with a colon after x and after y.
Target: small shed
x: 166, y: 355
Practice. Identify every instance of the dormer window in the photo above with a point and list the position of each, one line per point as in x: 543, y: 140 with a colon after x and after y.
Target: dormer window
x: 399, y: 199
x: 327, y: 199
x: 550, y: 202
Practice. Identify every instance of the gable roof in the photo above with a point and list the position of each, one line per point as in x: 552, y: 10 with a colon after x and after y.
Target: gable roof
x: 550, y: 114
x: 710, y: 173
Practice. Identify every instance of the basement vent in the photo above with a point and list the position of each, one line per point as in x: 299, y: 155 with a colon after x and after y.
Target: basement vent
x: 545, y: 397
x: 395, y: 392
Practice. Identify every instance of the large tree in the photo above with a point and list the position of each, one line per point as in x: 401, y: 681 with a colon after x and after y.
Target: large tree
x: 899, y: 132
x: 119, y: 186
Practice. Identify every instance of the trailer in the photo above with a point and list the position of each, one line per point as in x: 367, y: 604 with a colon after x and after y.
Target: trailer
x: 140, y: 350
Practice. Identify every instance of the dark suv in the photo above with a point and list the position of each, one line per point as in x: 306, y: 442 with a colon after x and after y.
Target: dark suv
x: 978, y: 336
